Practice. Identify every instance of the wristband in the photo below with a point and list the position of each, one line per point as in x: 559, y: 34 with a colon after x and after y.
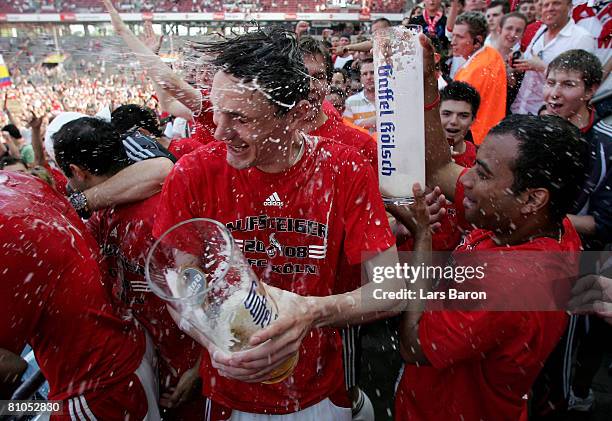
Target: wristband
x: 429, y: 107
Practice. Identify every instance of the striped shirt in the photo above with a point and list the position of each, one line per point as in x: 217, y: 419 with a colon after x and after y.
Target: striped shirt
x: 358, y: 110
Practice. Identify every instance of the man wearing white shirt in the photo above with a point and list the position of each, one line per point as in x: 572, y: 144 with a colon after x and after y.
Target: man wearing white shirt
x: 558, y: 34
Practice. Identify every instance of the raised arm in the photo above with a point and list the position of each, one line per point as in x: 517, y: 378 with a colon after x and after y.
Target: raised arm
x: 163, y: 75
x: 440, y: 169
x: 37, y: 141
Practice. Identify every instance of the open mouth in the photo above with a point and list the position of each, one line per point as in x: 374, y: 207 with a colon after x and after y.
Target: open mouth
x: 554, y: 107
x: 468, y: 203
x: 238, y: 149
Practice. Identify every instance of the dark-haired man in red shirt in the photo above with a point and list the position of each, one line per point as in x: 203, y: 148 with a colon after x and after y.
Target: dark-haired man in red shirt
x: 53, y: 297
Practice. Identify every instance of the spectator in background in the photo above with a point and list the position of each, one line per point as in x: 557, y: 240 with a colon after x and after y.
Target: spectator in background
x: 458, y: 107
x: 511, y: 31
x: 12, y: 135
x: 594, y: 16
x: 475, y: 6
x: 571, y: 81
x: 484, y: 69
x: 302, y: 28
x: 528, y: 9
x: 337, y: 97
x: 558, y: 34
x: 433, y: 22
x: 495, y: 11
x: 416, y: 11
x: 8, y: 163
x: 340, y: 80
x: 343, y: 56
x: 361, y: 107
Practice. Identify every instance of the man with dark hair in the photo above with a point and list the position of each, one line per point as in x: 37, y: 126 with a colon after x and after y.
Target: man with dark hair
x: 323, y: 119
x: 485, y: 70
x: 8, y: 163
x: 13, y: 135
x: 571, y: 81
x: 326, y: 122
x: 360, y: 109
x: 527, y: 177
x: 128, y: 118
x: 105, y: 156
x: 260, y: 99
x: 89, y: 151
x: 528, y: 9
x: 494, y: 13
x: 52, y: 297
x: 458, y: 106
x: 558, y: 34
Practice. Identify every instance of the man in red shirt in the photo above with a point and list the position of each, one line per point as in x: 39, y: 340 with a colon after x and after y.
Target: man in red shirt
x: 90, y: 151
x: 52, y: 297
x: 323, y: 119
x: 329, y: 207
x: 517, y: 195
x: 526, y: 176
x: 528, y: 173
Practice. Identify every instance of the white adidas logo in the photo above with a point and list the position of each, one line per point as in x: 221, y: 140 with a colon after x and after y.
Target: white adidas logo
x: 273, y: 200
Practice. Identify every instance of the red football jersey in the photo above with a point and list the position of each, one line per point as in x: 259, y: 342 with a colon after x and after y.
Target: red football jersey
x: 299, y: 221
x: 497, y: 353
x: 52, y: 295
x: 335, y: 129
x: 125, y: 237
x: 204, y: 126
x: 181, y: 147
x: 468, y: 158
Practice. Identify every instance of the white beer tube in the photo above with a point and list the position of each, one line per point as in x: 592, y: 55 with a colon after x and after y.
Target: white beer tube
x: 400, y: 115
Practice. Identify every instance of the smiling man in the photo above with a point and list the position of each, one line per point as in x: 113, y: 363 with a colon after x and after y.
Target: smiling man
x: 261, y: 106
x: 558, y: 34
x: 571, y: 81
x: 527, y: 175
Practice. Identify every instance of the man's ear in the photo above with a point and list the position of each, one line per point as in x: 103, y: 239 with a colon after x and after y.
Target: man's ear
x: 590, y: 92
x: 297, y: 115
x: 478, y: 41
x: 536, y: 199
x: 78, y: 173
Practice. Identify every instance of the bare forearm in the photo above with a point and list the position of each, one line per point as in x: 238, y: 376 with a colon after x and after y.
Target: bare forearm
x: 163, y: 75
x: 452, y: 16
x: 37, y: 146
x: 411, y: 350
x: 440, y: 169
x: 171, y: 105
x: 136, y: 182
x: 360, y: 46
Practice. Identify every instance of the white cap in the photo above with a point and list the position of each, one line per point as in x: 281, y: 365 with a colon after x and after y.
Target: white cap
x: 55, y: 126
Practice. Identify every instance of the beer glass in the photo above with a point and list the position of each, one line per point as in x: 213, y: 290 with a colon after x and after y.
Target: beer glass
x: 196, y: 267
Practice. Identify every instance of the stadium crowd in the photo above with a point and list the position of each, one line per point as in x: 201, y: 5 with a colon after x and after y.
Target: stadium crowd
x: 276, y: 130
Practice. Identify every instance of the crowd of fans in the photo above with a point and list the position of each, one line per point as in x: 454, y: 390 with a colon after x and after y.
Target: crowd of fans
x: 273, y: 131
x: 193, y: 6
